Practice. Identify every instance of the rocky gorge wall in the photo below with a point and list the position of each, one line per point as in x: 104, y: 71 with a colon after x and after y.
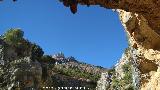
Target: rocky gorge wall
x: 145, y: 40
x: 144, y: 50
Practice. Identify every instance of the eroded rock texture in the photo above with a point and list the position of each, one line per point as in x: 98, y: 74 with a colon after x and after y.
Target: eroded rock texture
x: 20, y: 73
x: 144, y: 38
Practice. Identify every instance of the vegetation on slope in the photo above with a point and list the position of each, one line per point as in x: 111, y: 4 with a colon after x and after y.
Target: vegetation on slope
x: 20, y: 48
x: 124, y: 83
x: 77, y: 73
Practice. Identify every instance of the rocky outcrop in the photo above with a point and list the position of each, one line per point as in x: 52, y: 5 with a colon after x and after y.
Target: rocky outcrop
x: 25, y: 74
x: 18, y: 73
x: 145, y: 40
x: 144, y: 51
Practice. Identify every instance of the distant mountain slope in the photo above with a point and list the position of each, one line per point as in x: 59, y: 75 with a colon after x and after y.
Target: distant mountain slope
x: 77, y: 73
x: 72, y: 63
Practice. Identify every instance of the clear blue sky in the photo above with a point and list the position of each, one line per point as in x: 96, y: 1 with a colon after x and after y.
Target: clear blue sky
x: 93, y: 35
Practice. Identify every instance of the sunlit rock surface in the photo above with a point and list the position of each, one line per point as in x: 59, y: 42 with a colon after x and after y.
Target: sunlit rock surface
x: 145, y: 38
x: 142, y: 30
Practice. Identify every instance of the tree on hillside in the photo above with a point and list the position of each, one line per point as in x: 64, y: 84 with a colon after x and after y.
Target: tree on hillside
x: 47, y: 59
x: 13, y: 36
x: 36, y: 51
x: 47, y: 63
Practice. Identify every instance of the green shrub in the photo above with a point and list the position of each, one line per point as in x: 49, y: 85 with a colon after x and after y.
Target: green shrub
x: 127, y: 73
x: 125, y: 83
x: 115, y: 84
x: 13, y: 36
x: 126, y: 68
x: 48, y: 60
x: 36, y: 51
x: 111, y: 71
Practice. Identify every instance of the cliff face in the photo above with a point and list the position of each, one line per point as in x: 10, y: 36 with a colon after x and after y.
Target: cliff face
x: 144, y: 39
x: 144, y: 51
x: 18, y: 72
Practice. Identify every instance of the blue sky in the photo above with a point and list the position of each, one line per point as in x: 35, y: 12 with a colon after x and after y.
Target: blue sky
x: 93, y: 35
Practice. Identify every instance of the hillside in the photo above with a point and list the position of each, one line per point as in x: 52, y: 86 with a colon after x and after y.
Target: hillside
x: 78, y: 70
x: 23, y: 66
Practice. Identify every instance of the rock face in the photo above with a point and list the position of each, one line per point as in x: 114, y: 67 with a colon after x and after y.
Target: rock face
x: 18, y: 72
x: 104, y: 82
x: 144, y: 47
x: 144, y: 38
x: 144, y: 51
